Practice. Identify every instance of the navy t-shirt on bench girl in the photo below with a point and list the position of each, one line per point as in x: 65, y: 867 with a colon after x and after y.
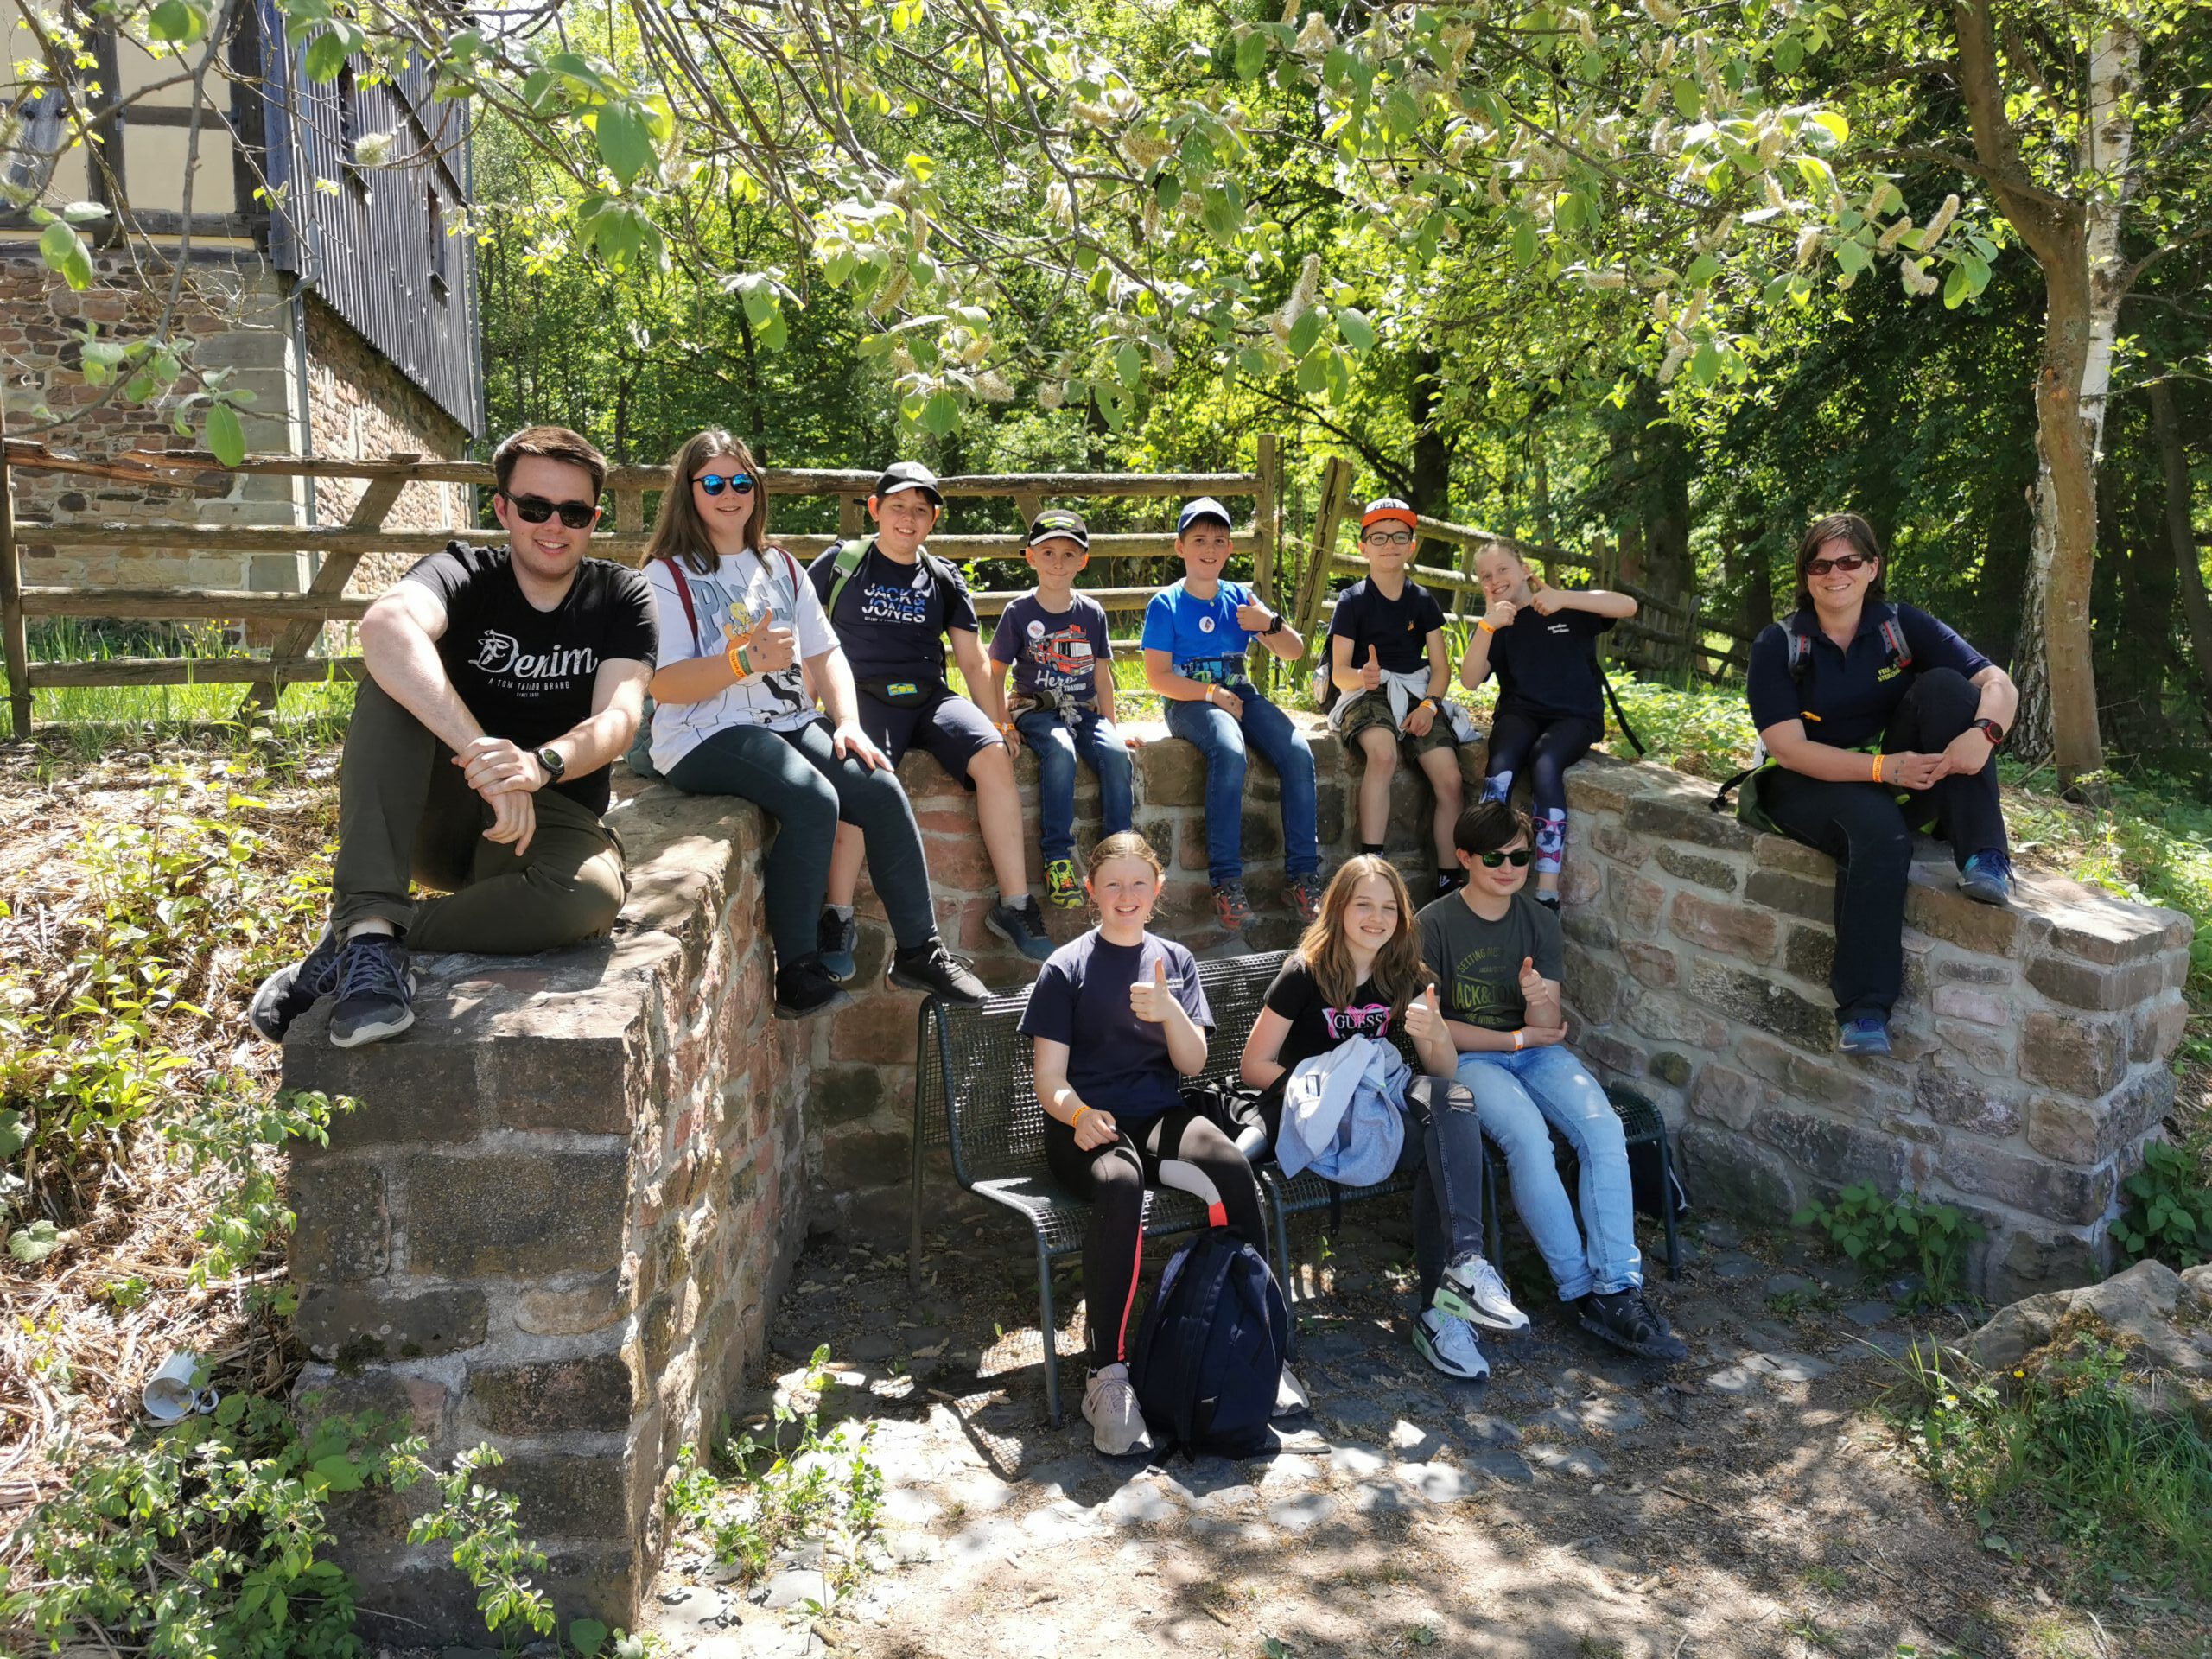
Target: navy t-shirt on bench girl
x: 1117, y: 1061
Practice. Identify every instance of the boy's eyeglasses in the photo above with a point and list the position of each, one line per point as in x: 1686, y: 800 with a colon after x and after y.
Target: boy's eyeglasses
x: 536, y: 510
x: 1389, y: 538
x: 1848, y: 564
x: 716, y: 483
x: 1518, y: 858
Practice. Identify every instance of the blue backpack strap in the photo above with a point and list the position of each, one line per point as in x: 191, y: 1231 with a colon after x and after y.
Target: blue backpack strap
x: 1893, y: 627
x: 1197, y: 1331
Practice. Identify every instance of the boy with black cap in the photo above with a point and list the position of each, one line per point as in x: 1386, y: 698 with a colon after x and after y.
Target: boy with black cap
x: 1054, y: 641
x: 1387, y: 657
x: 893, y: 603
x: 1196, y: 633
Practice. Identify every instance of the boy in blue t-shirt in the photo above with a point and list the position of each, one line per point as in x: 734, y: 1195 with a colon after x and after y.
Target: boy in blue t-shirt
x: 1054, y: 641
x: 1196, y: 633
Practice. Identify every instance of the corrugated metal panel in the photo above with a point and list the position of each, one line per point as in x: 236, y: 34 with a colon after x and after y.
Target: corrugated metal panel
x: 372, y: 248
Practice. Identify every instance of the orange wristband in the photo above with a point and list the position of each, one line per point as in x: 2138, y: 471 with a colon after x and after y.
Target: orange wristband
x: 1519, y: 1037
x: 1877, y: 768
x: 1484, y: 625
x: 1077, y: 1118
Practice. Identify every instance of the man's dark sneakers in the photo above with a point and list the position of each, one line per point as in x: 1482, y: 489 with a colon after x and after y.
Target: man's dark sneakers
x: 291, y: 991
x: 376, y: 991
x: 932, y: 968
x: 1626, y: 1319
x: 1022, y: 926
x: 834, y: 937
x: 804, y: 988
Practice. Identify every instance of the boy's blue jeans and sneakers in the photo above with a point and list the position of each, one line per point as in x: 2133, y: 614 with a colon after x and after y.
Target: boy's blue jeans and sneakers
x: 1225, y: 742
x: 1057, y: 740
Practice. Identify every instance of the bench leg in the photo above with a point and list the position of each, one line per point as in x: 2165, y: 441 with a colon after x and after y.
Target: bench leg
x: 1667, y: 1206
x: 1493, y: 1224
x: 1045, y: 1314
x: 1282, y: 1250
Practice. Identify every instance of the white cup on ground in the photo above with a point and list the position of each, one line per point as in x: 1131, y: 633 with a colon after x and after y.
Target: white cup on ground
x: 170, y: 1396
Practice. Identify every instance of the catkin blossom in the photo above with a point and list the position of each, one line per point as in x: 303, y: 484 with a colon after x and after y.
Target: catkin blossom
x: 374, y: 148
x: 1774, y: 198
x: 1914, y: 276
x: 1059, y: 202
x: 1317, y: 39
x: 1145, y: 148
x: 1663, y: 12
x: 991, y: 387
x: 1050, y: 395
x: 1096, y: 115
x: 1888, y: 238
x: 1672, y: 366
x: 1940, y: 223
x: 1809, y: 242
x: 1606, y: 278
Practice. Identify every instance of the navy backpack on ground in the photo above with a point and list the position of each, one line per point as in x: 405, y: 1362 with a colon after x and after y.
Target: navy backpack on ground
x: 1211, y: 1350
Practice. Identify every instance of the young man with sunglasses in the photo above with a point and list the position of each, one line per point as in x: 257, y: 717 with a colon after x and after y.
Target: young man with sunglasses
x: 1497, y: 956
x: 894, y: 603
x: 1876, y: 721
x: 501, y: 682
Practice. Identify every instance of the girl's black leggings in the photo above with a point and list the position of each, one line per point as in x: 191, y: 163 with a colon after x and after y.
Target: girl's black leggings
x: 1546, y: 749
x: 1181, y: 1149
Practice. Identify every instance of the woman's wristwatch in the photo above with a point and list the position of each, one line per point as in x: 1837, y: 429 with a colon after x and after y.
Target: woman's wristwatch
x: 1990, y: 729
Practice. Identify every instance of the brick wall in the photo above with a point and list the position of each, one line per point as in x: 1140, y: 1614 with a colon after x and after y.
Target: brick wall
x: 561, y: 1217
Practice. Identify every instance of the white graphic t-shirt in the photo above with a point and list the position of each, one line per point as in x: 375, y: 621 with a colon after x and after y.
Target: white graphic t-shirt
x: 727, y: 603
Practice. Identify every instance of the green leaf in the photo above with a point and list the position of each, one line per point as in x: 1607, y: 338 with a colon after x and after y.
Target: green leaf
x: 1251, y: 56
x: 624, y: 142
x: 14, y: 1134
x: 1789, y: 53
x: 1313, y: 376
x: 941, y: 414
x: 1305, y: 333
x: 57, y: 242
x: 33, y: 1244
x: 1358, y: 332
x: 174, y: 19
x: 586, y: 1637
x: 1702, y: 270
x: 84, y: 213
x: 339, y: 1472
x: 1128, y: 364
x: 325, y: 55
x: 1705, y: 362
x: 1955, y: 289
x: 225, y: 437
x: 1832, y: 122
x: 1689, y: 101
x: 1167, y: 190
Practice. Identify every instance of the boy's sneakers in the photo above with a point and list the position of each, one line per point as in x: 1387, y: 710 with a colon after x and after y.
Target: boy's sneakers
x: 1626, y: 1319
x: 834, y: 937
x: 1868, y: 1034
x: 291, y: 991
x: 1988, y: 878
x: 1231, y: 907
x: 1062, y: 886
x: 1449, y: 1344
x: 376, y: 991
x: 1109, y: 1406
x: 1022, y: 926
x: 1470, y: 1289
x: 932, y: 968
x: 1450, y: 881
x: 804, y: 988
x: 1304, y: 892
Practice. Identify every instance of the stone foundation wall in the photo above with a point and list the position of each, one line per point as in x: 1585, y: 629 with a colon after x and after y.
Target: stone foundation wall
x: 560, y: 1219
x: 2033, y: 1045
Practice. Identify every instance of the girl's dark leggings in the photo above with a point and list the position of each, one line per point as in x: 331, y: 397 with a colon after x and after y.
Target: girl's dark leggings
x: 1546, y: 749
x: 1183, y: 1149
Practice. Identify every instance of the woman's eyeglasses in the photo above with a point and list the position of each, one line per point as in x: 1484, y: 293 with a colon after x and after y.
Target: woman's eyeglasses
x: 716, y: 483
x: 1518, y: 858
x: 536, y: 510
x: 1848, y: 563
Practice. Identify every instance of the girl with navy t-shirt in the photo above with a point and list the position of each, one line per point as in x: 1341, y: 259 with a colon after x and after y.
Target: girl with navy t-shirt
x: 1542, y: 643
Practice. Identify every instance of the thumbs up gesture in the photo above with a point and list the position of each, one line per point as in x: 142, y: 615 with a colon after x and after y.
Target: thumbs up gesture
x: 772, y: 647
x: 1370, y: 671
x: 1424, y: 1020
x: 1150, y: 1001
x: 1532, y: 982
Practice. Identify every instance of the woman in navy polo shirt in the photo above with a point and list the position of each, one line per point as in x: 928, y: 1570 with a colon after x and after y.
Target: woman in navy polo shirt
x: 1876, y: 721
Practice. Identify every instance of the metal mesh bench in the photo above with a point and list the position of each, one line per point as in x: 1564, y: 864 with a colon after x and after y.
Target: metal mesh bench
x: 975, y: 1097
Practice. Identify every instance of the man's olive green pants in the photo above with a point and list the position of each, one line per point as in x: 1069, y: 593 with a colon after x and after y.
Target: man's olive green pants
x: 405, y: 811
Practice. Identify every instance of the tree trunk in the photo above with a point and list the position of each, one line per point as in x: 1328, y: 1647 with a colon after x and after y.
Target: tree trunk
x: 2076, y: 242
x: 2181, y: 532
x: 1432, y: 478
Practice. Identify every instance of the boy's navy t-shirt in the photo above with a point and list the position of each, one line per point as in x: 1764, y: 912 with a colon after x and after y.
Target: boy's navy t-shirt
x: 1397, y: 629
x: 1202, y: 637
x: 1053, y: 652
x: 1117, y: 1061
x: 892, y: 617
x: 1854, y: 692
x: 1547, y: 666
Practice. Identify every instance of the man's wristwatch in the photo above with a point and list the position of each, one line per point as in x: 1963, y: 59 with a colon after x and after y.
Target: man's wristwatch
x: 1993, y: 731
x: 550, y: 758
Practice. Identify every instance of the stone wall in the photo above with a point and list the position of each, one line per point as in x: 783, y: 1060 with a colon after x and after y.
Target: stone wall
x: 2033, y: 1045
x: 561, y: 1217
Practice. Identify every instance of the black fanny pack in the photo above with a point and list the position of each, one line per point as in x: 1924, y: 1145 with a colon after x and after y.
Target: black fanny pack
x: 902, y: 694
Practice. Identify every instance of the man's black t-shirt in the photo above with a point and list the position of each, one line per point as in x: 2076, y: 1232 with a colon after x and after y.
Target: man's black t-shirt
x: 1547, y: 666
x: 1398, y: 629
x: 1315, y: 1026
x: 527, y: 674
x: 891, y: 619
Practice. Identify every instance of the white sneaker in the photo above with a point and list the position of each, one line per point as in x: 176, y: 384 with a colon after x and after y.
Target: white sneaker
x: 1291, y: 1397
x: 1109, y: 1406
x: 1470, y: 1289
x: 1449, y: 1344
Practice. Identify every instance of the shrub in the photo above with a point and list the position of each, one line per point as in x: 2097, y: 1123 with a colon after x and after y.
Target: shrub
x: 1888, y: 1237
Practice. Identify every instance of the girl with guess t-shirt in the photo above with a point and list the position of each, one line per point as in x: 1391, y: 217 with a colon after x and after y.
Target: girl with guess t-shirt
x: 1119, y: 1019
x: 1359, y: 973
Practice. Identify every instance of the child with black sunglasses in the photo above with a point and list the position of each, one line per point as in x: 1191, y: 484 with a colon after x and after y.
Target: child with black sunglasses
x: 1497, y: 954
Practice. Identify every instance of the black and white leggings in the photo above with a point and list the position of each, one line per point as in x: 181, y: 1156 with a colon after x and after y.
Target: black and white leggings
x: 1547, y: 748
x: 1182, y: 1149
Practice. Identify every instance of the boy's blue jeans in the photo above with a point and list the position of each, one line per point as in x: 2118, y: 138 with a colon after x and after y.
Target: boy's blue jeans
x: 1056, y: 744
x: 1516, y: 1097
x: 1222, y: 740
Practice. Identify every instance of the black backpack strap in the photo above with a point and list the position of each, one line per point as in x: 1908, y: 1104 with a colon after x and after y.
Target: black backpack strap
x: 1627, y: 730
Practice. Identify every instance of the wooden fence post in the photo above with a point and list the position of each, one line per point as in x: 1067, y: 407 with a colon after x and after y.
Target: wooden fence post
x: 1328, y: 518
x: 1267, y: 517
x: 293, y: 645
x: 17, y: 641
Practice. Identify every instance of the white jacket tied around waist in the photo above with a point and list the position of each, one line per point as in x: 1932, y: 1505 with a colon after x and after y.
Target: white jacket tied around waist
x: 1341, y: 1114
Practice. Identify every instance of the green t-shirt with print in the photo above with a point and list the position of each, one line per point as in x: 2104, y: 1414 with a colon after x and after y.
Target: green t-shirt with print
x: 1477, y: 962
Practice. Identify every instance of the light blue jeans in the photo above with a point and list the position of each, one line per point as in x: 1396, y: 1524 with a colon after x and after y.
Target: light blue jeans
x: 1222, y: 742
x: 1517, y: 1095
